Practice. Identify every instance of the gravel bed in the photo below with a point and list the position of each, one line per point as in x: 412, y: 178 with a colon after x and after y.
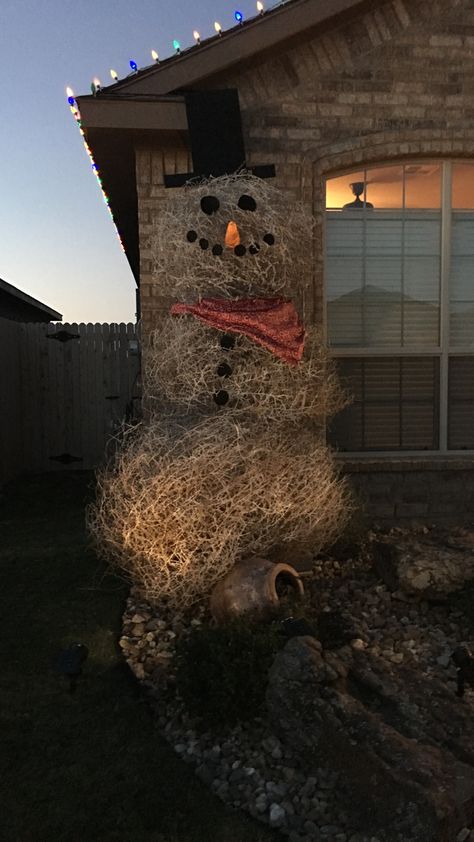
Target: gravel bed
x: 247, y: 766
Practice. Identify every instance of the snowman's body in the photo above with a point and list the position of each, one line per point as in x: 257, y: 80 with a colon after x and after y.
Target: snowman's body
x: 232, y: 462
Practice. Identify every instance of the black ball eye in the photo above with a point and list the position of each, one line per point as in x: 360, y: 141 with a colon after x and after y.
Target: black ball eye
x: 254, y: 248
x: 269, y: 239
x: 240, y: 250
x: 221, y: 397
x: 209, y: 204
x: 204, y: 243
x: 191, y: 236
x: 224, y: 370
x: 227, y: 342
x: 247, y: 203
x: 217, y: 249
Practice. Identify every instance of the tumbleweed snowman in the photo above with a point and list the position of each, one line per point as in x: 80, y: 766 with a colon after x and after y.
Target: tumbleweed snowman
x: 231, y: 462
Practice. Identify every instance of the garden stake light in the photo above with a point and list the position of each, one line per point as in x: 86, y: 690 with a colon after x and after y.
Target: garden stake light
x: 69, y: 663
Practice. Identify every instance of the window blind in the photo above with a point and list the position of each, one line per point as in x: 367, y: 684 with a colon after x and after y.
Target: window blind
x: 383, y: 278
x: 395, y: 404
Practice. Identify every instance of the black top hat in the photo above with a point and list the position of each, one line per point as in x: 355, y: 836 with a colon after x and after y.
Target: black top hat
x: 215, y: 132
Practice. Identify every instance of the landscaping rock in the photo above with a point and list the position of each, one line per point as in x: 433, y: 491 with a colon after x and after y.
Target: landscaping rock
x: 423, y: 569
x: 402, y: 735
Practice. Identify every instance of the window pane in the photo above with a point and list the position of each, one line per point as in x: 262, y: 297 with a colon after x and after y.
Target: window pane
x: 461, y: 403
x: 395, y: 404
x: 462, y: 258
x: 383, y: 263
x: 463, y: 186
x: 423, y: 186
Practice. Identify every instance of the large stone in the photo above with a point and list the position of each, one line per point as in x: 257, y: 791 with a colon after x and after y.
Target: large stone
x: 402, y: 743
x: 422, y: 568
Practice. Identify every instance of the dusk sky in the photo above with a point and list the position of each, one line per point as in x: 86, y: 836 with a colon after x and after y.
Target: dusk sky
x: 58, y: 242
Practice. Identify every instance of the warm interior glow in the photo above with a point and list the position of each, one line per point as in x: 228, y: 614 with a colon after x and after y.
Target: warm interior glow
x: 463, y: 186
x: 232, y: 236
x: 416, y: 186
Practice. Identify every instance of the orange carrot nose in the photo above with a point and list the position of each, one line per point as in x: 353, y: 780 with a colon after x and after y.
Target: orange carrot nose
x: 232, y: 236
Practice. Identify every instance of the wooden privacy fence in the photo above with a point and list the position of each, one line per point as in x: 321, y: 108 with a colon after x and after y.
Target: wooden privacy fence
x: 65, y: 390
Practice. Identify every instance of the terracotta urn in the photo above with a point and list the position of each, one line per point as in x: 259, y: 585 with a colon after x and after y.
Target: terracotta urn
x: 251, y: 588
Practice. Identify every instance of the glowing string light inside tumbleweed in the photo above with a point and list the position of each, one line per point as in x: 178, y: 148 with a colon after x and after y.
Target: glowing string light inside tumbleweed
x: 155, y: 55
x: 177, y: 46
x: 114, y: 75
x: 218, y: 27
x: 133, y: 65
x: 197, y: 36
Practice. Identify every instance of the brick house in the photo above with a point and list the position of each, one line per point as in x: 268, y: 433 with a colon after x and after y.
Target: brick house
x: 366, y: 110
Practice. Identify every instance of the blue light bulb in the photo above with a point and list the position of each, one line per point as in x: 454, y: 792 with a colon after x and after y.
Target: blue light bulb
x: 238, y: 16
x: 71, y: 100
x: 133, y: 65
x: 176, y: 45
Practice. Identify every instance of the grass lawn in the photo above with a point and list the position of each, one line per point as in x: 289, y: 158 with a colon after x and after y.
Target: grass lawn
x: 89, y: 766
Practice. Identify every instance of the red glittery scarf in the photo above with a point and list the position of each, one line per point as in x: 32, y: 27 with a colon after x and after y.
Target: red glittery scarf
x: 271, y: 322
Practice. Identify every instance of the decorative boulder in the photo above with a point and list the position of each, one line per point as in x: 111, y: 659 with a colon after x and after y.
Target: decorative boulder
x: 423, y: 569
x: 402, y: 744
x: 251, y: 588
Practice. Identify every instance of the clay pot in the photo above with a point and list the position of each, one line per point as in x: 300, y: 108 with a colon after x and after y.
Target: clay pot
x: 250, y: 587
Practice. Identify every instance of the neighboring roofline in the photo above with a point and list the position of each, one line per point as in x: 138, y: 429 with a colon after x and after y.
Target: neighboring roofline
x: 28, y: 299
x: 240, y: 43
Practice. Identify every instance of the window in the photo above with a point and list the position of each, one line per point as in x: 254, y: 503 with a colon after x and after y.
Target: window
x: 400, y: 305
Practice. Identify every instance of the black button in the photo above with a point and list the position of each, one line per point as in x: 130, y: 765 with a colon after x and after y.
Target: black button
x: 204, y: 243
x: 240, y: 250
x: 269, y: 239
x: 221, y: 397
x: 191, y: 236
x: 224, y: 370
x: 217, y: 249
x: 254, y: 248
x: 227, y: 342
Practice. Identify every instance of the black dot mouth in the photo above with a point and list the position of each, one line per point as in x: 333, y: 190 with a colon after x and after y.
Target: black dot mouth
x: 239, y: 251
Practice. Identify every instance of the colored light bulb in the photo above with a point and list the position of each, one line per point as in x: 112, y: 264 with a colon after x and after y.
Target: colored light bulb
x: 218, y: 27
x: 114, y: 75
x: 155, y: 55
x: 95, y: 86
x: 260, y: 7
x: 196, y: 36
x: 238, y: 16
x: 133, y: 65
x: 176, y: 46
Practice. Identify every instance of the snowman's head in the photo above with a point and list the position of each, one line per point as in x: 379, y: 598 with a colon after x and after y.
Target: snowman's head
x: 232, y: 236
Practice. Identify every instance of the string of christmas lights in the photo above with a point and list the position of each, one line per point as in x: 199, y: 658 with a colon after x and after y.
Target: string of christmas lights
x: 239, y: 17
x: 95, y: 169
x: 96, y: 88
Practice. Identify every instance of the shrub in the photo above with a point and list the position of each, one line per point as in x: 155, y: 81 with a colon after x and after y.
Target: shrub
x: 221, y: 673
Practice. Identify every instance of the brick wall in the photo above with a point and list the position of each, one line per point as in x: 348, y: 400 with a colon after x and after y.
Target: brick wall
x: 393, y: 80
x: 404, y: 488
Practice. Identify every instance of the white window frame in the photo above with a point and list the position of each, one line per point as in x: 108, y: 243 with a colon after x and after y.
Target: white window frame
x: 442, y: 352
